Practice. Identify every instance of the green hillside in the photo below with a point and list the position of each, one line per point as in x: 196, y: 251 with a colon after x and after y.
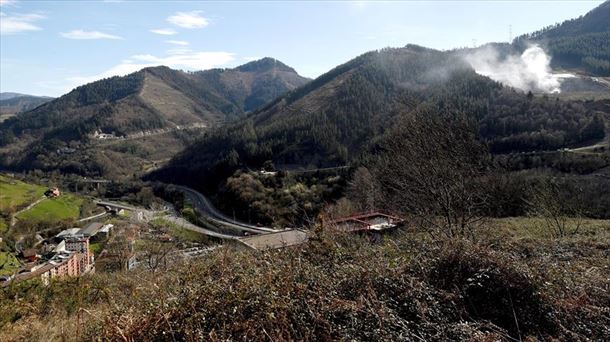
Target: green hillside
x: 21, y: 103
x: 65, y: 207
x: 156, y: 99
x: 15, y: 193
x: 338, y: 117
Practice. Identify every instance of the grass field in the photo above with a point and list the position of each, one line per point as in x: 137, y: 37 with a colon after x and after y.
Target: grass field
x: 8, y: 263
x: 3, y: 226
x: 15, y: 193
x: 67, y: 206
x: 96, y: 247
x: 536, y: 228
x: 178, y: 232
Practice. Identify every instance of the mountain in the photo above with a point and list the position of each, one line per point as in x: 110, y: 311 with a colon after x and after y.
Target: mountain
x: 13, y: 103
x: 8, y: 95
x: 337, y: 118
x: 581, y: 43
x: 253, y: 84
x: 146, y: 103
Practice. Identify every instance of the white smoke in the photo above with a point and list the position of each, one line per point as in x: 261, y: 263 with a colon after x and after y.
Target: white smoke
x: 529, y: 72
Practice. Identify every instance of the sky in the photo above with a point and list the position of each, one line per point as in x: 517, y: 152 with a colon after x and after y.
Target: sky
x: 51, y: 47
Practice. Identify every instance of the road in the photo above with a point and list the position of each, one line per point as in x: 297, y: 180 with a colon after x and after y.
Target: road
x: 179, y: 221
x: 115, y: 205
x: 32, y: 205
x: 203, y: 206
x: 210, y: 213
x: 93, y: 216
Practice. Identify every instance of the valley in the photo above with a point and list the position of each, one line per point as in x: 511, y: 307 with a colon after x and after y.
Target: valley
x: 402, y: 193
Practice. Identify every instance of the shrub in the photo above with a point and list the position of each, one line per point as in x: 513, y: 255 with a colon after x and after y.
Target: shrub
x: 492, y: 288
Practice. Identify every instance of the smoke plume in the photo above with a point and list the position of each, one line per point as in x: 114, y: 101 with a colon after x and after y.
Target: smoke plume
x: 529, y: 72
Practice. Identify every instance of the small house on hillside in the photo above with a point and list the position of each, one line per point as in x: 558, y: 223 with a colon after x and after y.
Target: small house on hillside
x: 30, y: 254
x: 374, y: 221
x: 52, y: 192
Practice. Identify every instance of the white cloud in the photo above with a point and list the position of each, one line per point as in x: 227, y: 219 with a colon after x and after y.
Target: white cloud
x: 80, y: 34
x: 11, y: 24
x: 189, y: 61
x: 251, y: 58
x: 357, y: 7
x: 177, y: 42
x: 125, y: 68
x: 193, y: 60
x: 188, y: 20
x: 7, y: 2
x: 164, y: 32
x: 179, y: 51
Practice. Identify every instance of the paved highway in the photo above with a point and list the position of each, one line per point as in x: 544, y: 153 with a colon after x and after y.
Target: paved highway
x: 203, y: 205
x: 187, y: 225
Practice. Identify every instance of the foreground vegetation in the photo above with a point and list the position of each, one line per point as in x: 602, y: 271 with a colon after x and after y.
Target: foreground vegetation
x: 505, y: 284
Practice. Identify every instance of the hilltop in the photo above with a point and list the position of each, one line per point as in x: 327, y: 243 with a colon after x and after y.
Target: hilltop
x: 13, y: 103
x: 337, y: 117
x: 152, y: 100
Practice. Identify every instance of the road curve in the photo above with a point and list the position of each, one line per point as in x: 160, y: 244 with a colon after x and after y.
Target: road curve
x: 179, y: 221
x: 203, y: 205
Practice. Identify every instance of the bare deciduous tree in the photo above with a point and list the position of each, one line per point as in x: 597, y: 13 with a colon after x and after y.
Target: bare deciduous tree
x: 559, y: 206
x: 363, y: 190
x: 155, y: 254
x: 120, y: 250
x: 431, y: 167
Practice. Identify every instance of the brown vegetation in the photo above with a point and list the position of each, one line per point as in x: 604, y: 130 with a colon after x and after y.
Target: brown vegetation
x: 504, y: 287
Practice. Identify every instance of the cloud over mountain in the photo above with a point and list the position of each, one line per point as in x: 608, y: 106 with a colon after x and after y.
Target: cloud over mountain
x: 189, y: 20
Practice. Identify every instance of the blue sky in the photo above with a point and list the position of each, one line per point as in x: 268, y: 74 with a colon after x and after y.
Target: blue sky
x: 50, y: 47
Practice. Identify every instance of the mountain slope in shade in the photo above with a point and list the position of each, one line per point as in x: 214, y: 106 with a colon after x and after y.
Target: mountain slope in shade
x: 23, y: 103
x: 9, y: 95
x: 253, y: 84
x: 151, y: 100
x: 13, y: 103
x: 334, y: 119
x: 326, y: 122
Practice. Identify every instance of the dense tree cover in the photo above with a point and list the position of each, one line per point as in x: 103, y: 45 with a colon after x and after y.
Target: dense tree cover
x: 336, y: 118
x: 582, y: 42
x: 117, y: 105
x: 23, y: 103
x: 518, y: 123
x: 562, y: 161
x: 283, y: 199
x: 77, y: 113
x: 253, y: 84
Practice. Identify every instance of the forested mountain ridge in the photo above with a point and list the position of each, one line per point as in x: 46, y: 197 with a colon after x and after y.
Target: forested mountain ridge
x: 338, y: 117
x: 152, y: 99
x: 144, y: 99
x: 582, y: 43
x: 253, y: 84
x: 13, y: 103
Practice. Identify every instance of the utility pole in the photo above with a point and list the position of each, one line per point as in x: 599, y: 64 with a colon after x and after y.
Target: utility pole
x: 510, y: 33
